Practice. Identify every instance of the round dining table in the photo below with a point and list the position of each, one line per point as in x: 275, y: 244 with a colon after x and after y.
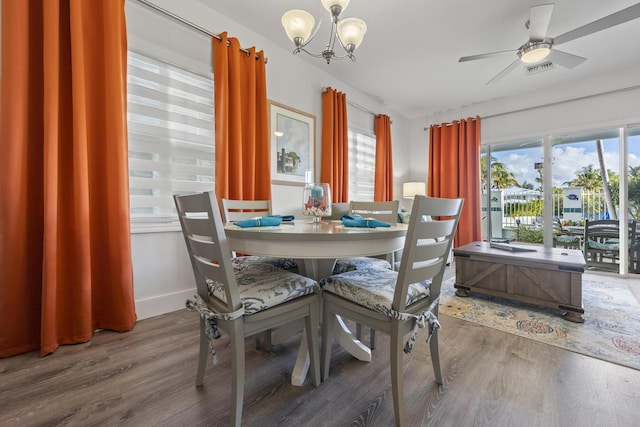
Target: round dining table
x: 316, y: 247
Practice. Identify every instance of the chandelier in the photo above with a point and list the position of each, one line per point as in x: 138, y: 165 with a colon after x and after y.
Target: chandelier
x: 349, y: 32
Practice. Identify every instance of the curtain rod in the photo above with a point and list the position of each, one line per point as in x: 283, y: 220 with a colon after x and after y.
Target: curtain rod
x: 189, y: 23
x: 359, y: 107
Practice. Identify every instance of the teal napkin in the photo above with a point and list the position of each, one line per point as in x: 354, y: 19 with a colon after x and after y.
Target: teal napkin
x: 349, y: 220
x: 265, y: 221
x: 285, y: 218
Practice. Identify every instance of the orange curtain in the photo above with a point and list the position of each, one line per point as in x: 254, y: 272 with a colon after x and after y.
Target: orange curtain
x: 335, y: 144
x: 242, y: 125
x: 383, y: 184
x: 454, y: 171
x: 65, y: 260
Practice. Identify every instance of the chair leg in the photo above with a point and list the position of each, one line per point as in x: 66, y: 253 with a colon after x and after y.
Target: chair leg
x: 311, y: 324
x: 328, y: 323
x: 372, y: 339
x: 435, y: 353
x: 359, y: 331
x: 435, y: 357
x: 202, y: 355
x: 396, y: 372
x: 237, y: 370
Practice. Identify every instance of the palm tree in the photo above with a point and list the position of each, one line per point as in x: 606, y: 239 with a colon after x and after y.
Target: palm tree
x: 588, y: 178
x: 500, y: 176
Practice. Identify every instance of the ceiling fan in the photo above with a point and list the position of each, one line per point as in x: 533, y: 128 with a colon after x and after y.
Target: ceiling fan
x: 540, y: 46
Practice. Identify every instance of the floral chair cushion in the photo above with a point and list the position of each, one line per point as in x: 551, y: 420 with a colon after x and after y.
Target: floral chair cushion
x: 360, y: 263
x: 263, y: 286
x: 372, y: 288
x: 243, y: 262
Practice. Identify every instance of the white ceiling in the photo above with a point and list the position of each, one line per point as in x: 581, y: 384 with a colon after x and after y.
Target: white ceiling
x: 409, y: 57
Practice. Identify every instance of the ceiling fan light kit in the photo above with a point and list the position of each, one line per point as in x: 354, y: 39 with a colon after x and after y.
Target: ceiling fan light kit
x: 531, y: 53
x: 349, y: 33
x: 540, y: 47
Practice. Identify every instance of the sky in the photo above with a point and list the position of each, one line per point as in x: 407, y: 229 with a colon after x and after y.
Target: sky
x: 568, y: 159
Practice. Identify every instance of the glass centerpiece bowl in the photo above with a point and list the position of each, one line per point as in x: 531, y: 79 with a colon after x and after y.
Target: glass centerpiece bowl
x: 316, y: 201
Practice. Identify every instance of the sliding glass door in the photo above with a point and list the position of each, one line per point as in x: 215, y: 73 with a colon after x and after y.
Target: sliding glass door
x: 537, y: 190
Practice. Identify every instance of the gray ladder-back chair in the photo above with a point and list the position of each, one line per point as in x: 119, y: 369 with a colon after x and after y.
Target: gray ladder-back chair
x: 382, y: 211
x: 239, y: 210
x: 397, y: 302
x: 240, y: 302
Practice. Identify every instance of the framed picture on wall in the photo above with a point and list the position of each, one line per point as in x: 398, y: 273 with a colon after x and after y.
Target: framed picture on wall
x: 293, y: 145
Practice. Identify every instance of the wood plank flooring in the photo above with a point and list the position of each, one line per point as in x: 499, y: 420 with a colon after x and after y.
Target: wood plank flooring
x: 146, y: 378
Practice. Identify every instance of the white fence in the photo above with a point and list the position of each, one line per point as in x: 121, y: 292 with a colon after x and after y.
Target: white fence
x: 530, y: 213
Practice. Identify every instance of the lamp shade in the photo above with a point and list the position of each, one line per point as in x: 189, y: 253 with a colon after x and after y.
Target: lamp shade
x: 351, y: 31
x: 298, y: 24
x: 410, y: 189
x: 328, y: 3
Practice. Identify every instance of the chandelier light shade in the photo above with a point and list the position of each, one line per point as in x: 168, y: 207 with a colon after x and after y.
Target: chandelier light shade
x: 410, y: 189
x: 298, y: 24
x: 348, y: 33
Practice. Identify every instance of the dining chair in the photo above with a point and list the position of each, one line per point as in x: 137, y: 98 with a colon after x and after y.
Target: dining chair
x: 239, y: 210
x: 397, y: 303
x: 240, y: 302
x: 382, y: 211
x: 386, y: 211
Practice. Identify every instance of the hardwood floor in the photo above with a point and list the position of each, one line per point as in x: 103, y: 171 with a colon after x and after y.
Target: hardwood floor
x: 146, y: 378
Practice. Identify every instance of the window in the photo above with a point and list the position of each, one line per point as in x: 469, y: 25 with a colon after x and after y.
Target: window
x: 171, y: 136
x: 362, y: 165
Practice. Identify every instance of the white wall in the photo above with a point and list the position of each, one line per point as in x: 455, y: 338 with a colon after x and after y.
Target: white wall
x: 162, y: 275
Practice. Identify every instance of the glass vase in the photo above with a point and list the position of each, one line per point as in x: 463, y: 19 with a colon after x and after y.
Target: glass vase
x: 316, y: 201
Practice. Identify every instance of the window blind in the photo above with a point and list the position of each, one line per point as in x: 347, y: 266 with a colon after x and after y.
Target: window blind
x: 171, y: 136
x: 362, y: 157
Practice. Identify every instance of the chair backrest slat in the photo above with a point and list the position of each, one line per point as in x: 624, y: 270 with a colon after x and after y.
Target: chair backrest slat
x: 206, y: 242
x: 238, y: 210
x: 432, y: 227
x: 382, y: 211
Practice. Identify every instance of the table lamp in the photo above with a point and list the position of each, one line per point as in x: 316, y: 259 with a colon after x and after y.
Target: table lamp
x: 410, y: 189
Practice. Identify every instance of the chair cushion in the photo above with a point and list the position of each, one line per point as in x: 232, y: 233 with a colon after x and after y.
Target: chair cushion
x: 592, y: 244
x: 360, y: 263
x: 372, y: 288
x: 243, y: 262
x: 565, y: 238
x: 263, y: 286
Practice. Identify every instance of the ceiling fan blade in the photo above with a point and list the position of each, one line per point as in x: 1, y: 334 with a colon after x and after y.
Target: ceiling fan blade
x: 504, y: 72
x: 564, y: 59
x: 484, y: 55
x: 539, y: 18
x: 620, y: 17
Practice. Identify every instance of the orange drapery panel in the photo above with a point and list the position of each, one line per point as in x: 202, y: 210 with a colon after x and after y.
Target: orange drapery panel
x: 335, y: 144
x: 65, y: 260
x: 242, y: 122
x: 383, y: 184
x: 454, y: 171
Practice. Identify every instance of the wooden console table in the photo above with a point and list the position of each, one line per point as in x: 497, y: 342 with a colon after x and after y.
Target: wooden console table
x: 549, y: 277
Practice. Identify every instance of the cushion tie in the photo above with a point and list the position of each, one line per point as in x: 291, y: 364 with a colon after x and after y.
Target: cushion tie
x: 422, y: 319
x: 211, y: 320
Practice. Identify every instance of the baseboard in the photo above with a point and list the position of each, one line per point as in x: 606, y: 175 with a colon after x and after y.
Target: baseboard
x: 162, y: 304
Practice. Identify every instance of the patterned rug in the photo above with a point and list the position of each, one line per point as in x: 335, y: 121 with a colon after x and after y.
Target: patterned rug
x: 611, y: 330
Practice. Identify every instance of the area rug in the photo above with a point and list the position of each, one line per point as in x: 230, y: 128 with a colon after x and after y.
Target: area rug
x: 611, y: 330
